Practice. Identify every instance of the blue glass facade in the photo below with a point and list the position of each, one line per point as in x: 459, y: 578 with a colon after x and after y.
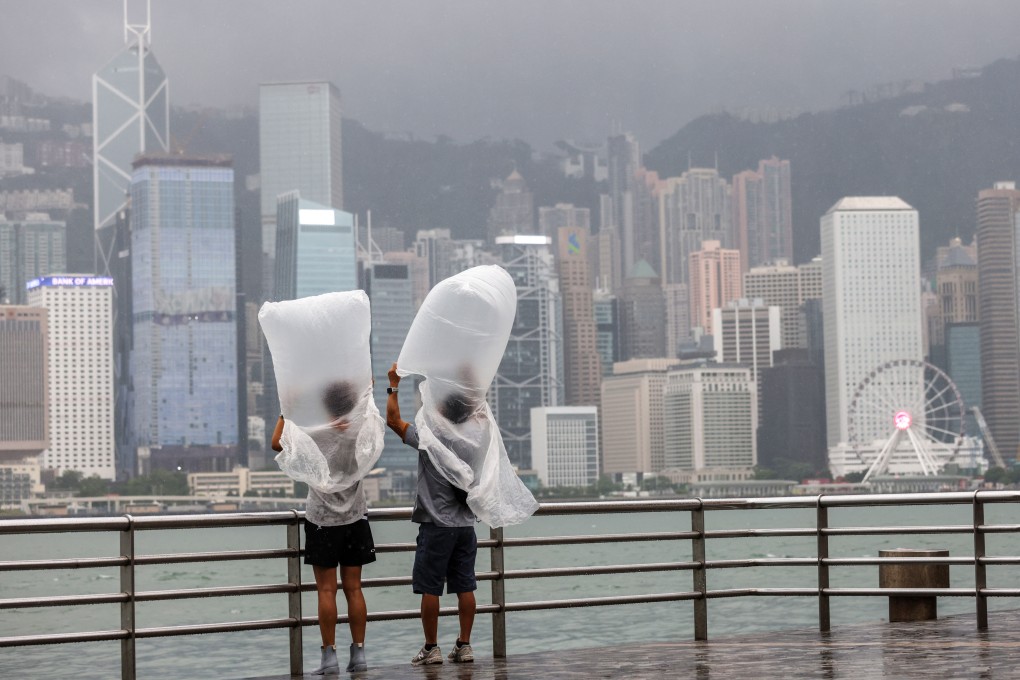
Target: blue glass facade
x: 963, y: 365
x: 316, y: 251
x: 391, y: 292
x: 299, y: 147
x: 184, y: 356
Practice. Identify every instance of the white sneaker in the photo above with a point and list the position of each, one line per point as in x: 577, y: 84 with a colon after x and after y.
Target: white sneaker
x: 461, y: 653
x: 427, y: 657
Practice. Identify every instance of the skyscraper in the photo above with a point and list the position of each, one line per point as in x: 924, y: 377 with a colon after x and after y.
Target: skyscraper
x: 390, y: 289
x: 24, y: 376
x: 607, y: 330
x: 762, y: 213
x: 130, y: 115
x: 300, y: 149
x: 30, y: 248
x: 550, y: 219
x: 316, y: 250
x: 998, y: 275
x: 79, y: 371
x: 445, y: 256
x: 963, y: 365
x: 531, y: 371
x: 746, y: 332
x: 714, y: 281
x: 710, y: 415
x: 871, y: 300
x: 792, y: 423
x: 678, y: 316
x: 693, y: 208
x: 624, y: 159
x: 632, y: 416
x: 514, y: 209
x: 642, y: 315
x: 565, y: 445
x: 582, y: 367
x: 956, y: 288
x: 647, y: 232
x: 786, y: 287
x: 184, y: 359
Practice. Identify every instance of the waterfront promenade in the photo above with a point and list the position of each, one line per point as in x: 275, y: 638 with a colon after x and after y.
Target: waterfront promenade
x: 948, y: 648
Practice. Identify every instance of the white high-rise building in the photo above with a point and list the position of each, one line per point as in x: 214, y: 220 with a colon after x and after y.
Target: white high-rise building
x: 871, y: 284
x: 787, y: 287
x: 80, y: 371
x: 565, y: 445
x: 710, y: 417
x: 747, y: 332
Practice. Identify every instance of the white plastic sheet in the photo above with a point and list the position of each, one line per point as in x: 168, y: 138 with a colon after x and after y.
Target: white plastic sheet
x: 333, y: 433
x: 456, y: 343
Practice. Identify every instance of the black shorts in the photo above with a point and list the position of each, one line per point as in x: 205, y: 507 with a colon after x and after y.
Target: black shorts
x: 349, y: 545
x: 444, y: 554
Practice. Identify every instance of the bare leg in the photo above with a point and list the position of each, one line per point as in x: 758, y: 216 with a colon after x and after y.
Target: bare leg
x: 325, y: 584
x: 430, y: 618
x: 466, y: 614
x: 357, y: 612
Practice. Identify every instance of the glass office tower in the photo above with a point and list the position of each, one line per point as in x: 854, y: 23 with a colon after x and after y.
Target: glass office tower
x: 184, y: 359
x: 299, y: 149
x: 316, y: 251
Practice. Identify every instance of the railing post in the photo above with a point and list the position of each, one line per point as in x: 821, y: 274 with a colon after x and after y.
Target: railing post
x: 699, y: 573
x: 127, y: 608
x: 498, y: 595
x: 980, y: 577
x: 294, y: 596
x: 821, y: 524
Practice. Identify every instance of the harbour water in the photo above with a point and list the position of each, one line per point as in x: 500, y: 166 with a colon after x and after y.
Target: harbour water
x: 248, y: 654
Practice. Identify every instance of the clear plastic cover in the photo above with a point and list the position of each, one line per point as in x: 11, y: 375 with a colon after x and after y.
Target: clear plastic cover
x: 456, y: 343
x: 333, y: 434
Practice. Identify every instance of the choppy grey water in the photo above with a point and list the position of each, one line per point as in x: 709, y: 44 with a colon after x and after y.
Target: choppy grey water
x: 265, y: 652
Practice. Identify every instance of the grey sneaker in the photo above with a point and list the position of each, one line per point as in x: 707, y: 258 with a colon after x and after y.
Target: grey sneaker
x: 461, y: 654
x: 427, y: 657
x: 357, y: 662
x: 329, y: 664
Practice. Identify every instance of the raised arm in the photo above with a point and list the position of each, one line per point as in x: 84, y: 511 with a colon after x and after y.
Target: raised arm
x: 393, y: 419
x: 277, y: 433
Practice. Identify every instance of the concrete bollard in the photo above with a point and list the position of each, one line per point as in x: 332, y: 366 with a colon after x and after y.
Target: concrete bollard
x: 911, y: 608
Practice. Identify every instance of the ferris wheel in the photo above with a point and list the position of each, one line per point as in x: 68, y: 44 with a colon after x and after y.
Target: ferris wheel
x: 910, y: 400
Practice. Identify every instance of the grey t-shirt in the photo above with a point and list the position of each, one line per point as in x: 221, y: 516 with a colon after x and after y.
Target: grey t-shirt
x: 339, y: 508
x: 437, y: 500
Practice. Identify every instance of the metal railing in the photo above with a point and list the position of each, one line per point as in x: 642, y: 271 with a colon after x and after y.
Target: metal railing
x: 128, y: 526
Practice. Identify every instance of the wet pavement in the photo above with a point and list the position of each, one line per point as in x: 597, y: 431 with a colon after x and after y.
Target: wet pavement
x: 948, y: 648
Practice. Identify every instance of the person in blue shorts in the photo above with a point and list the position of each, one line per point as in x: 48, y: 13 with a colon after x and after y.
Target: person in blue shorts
x: 446, y: 544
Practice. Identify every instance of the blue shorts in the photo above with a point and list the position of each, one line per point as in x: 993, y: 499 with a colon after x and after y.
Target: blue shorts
x: 444, y: 555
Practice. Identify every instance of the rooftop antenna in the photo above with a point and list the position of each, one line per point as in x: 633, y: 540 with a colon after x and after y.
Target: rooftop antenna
x: 370, y: 252
x: 140, y: 33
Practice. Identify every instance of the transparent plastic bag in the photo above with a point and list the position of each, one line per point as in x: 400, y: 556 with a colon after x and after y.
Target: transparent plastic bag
x: 456, y: 343
x: 333, y: 433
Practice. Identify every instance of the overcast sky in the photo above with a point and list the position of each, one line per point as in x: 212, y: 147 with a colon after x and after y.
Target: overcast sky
x: 539, y: 70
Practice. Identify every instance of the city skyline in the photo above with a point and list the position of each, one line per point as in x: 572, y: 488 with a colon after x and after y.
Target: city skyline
x: 500, y: 60
x: 654, y: 284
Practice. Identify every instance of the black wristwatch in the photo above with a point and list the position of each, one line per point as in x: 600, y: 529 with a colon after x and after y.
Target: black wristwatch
x: 391, y: 390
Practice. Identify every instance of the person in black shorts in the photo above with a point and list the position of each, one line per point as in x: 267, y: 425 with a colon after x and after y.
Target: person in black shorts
x: 446, y: 544
x: 337, y: 533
